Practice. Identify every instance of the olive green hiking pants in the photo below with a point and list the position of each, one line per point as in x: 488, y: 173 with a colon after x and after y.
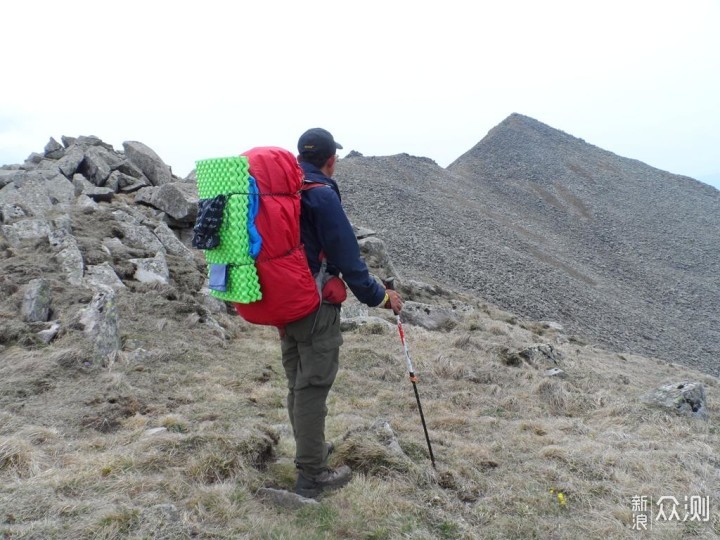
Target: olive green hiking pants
x: 310, y: 356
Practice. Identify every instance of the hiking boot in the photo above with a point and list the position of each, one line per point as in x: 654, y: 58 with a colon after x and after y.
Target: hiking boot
x: 327, y: 480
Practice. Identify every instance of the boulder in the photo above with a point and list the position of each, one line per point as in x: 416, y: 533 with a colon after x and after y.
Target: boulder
x: 178, y: 200
x: 33, y: 159
x: 684, y: 398
x: 101, y: 326
x: 131, y: 170
x: 135, y: 234
x: 122, y: 182
x: 54, y: 150
x: 540, y: 356
x: 372, y: 325
x: 375, y: 254
x: 145, y: 159
x: 10, y: 213
x: 97, y: 194
x: 98, y: 164
x: 102, y: 276
x: 47, y: 335
x: 429, y: 316
x: 7, y: 176
x: 27, y: 229
x: 172, y: 243
x: 30, y: 192
x: 67, y: 253
x: 86, y: 204
x: 36, y: 301
x: 145, y: 195
x: 68, y: 141
x: 69, y: 163
x: 153, y: 270
x: 545, y: 355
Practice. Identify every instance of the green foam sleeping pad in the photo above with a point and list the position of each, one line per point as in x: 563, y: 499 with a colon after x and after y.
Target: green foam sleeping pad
x: 231, y: 176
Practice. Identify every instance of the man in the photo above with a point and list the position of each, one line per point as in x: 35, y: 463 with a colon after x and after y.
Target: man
x: 311, y: 346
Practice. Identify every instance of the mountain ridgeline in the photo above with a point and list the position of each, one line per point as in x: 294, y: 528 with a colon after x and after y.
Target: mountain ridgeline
x: 553, y: 228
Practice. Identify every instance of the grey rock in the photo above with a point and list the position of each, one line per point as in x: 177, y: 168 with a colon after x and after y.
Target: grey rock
x: 284, y: 499
x: 685, y: 398
x: 101, y: 326
x: 352, y: 310
x: 113, y: 182
x: 125, y: 183
x: 70, y: 162
x: 131, y: 170
x: 68, y: 141
x: 375, y: 254
x: 36, y: 192
x: 86, y: 203
x: 429, y: 316
x: 54, y: 150
x: 28, y: 191
x: 136, y: 234
x: 178, y: 200
x: 385, y: 434
x: 97, y: 165
x: 362, y: 232
x: 72, y: 263
x: 375, y: 325
x: 555, y: 372
x: 215, y: 305
x: 541, y: 356
x: 7, y: 176
x: 97, y: 194
x: 28, y: 229
x: 33, y: 159
x: 102, y: 276
x: 60, y: 238
x: 67, y: 254
x: 60, y: 190
x: 145, y: 159
x: 36, y: 301
x: 145, y: 195
x: 47, y: 335
x: 10, y: 213
x: 545, y: 355
x: 91, y: 140
x: 153, y: 270
x: 172, y: 243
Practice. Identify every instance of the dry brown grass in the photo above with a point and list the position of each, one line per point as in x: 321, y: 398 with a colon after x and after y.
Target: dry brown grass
x: 80, y: 458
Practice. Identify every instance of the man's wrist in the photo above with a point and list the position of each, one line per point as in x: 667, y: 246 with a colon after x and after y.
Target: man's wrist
x: 384, y: 301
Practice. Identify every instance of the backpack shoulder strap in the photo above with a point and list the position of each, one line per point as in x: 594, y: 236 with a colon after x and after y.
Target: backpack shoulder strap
x: 309, y: 184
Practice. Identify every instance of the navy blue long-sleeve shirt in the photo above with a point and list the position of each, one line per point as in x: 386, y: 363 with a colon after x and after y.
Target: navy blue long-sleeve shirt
x: 325, y: 228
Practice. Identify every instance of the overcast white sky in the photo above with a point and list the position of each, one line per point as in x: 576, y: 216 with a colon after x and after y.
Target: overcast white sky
x: 207, y: 78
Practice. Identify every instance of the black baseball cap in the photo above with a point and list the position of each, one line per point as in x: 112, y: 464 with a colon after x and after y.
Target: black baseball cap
x: 317, y: 142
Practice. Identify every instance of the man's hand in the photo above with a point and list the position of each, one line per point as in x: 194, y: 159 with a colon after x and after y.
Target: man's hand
x: 395, y: 301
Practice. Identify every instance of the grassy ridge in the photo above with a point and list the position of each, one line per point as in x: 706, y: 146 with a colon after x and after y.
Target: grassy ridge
x: 81, y: 455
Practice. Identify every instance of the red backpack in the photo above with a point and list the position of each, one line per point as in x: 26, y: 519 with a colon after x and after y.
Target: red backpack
x: 289, y: 291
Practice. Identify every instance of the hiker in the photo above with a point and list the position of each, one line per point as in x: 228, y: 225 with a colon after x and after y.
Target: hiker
x: 311, y: 345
